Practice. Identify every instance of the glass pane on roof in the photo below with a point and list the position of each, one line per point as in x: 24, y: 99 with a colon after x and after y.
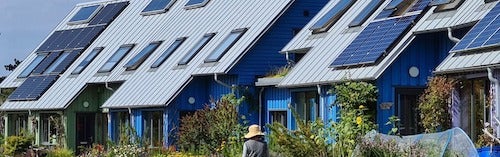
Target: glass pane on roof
x: 27, y: 71
x: 331, y: 17
x: 158, y: 6
x: 85, y: 14
x: 393, y: 4
x: 225, y: 45
x: 439, y: 2
x: 116, y: 58
x: 135, y: 62
x: 87, y: 61
x: 177, y: 43
x: 203, y: 41
x: 366, y: 13
x: 56, y: 62
x: 196, y: 3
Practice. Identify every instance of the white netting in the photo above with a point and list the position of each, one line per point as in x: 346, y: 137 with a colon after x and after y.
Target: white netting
x: 450, y: 143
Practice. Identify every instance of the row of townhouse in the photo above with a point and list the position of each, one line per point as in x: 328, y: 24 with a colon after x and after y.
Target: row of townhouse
x: 148, y: 63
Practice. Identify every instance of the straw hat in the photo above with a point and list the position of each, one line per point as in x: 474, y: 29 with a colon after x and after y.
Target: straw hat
x: 253, y: 130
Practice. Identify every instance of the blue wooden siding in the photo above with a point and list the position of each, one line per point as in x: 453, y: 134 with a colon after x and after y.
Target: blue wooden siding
x: 264, y: 56
x: 425, y: 53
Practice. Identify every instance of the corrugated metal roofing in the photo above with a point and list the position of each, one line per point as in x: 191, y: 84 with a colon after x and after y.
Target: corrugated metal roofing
x: 146, y: 87
x: 324, y: 48
x: 469, y: 62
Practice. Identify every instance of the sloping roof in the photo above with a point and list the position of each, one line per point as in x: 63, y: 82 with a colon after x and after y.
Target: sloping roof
x: 322, y: 49
x: 153, y: 87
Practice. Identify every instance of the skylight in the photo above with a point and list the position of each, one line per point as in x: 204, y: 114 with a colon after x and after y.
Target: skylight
x: 135, y: 62
x: 332, y: 16
x: 197, y: 48
x: 366, y: 13
x: 116, y: 58
x: 87, y: 61
x: 157, y: 7
x: 27, y: 71
x: 177, y: 43
x: 195, y: 4
x: 85, y: 14
x: 225, y: 45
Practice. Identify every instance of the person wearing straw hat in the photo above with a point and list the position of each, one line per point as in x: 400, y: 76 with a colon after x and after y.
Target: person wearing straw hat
x: 255, y: 146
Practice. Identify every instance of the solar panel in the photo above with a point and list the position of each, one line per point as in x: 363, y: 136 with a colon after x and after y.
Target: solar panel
x: 157, y: 6
x: 46, y: 63
x: 376, y: 39
x: 483, y: 34
x: 109, y: 13
x: 33, y: 88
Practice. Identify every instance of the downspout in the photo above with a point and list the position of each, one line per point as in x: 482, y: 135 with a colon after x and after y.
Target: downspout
x: 321, y: 114
x: 260, y: 105
x: 222, y: 83
x: 451, y: 37
x: 108, y: 87
x: 287, y: 56
x: 497, y: 103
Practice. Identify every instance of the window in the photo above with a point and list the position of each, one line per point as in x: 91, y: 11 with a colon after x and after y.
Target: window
x: 121, y: 124
x: 60, y: 59
x: 153, y: 128
x: 48, y: 131
x: 157, y: 7
x: 449, y: 5
x: 135, y: 62
x: 203, y: 41
x: 177, y: 43
x: 439, y: 2
x: 307, y: 105
x: 332, y: 16
x: 116, y: 58
x: 366, y: 13
x: 85, y: 14
x: 18, y: 123
x: 87, y: 60
x: 195, y: 4
x: 279, y: 117
x: 27, y: 71
x: 225, y: 45
x: 473, y: 106
x: 398, y: 7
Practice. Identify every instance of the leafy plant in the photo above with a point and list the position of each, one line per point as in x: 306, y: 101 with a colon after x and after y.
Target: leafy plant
x: 393, y: 120
x: 353, y: 100
x: 60, y: 152
x: 434, y: 104
x: 310, y: 138
x: 214, y: 131
x: 17, y: 144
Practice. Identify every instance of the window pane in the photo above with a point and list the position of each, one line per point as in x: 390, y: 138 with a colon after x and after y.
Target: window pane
x: 279, y: 117
x: 307, y: 105
x: 449, y: 6
x: 57, y: 62
x: 225, y: 45
x: 87, y: 61
x: 332, y: 16
x: 116, y: 58
x: 366, y: 13
x: 158, y: 6
x: 439, y: 2
x: 135, y: 62
x: 85, y: 14
x: 196, y: 3
x: 27, y: 71
x: 168, y: 52
x: 196, y: 48
x: 393, y: 4
x: 153, y: 128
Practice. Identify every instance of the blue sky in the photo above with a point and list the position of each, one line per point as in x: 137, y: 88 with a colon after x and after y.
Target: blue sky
x: 25, y: 23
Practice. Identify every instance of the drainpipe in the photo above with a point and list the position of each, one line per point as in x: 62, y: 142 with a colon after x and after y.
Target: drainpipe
x: 451, y: 37
x: 260, y: 105
x: 497, y: 103
x: 222, y: 83
x: 321, y: 114
x: 108, y: 87
x: 287, y: 56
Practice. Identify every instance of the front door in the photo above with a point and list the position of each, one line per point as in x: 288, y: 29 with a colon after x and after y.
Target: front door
x: 85, y: 129
x: 407, y: 110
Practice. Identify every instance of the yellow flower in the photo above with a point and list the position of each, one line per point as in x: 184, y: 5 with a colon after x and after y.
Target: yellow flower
x: 359, y: 120
x: 361, y: 107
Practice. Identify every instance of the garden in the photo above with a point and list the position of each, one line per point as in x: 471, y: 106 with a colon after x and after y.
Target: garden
x: 219, y: 131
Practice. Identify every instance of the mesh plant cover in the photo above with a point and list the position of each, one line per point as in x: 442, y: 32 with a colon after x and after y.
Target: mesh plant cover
x: 450, y: 143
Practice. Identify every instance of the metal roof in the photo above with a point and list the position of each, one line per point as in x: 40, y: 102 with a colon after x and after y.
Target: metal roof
x: 469, y: 62
x: 154, y: 87
x: 314, y: 67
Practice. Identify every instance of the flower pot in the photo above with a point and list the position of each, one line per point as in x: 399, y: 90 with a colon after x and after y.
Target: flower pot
x: 489, y: 151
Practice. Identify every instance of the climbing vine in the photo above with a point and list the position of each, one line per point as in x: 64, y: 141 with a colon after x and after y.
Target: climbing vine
x: 434, y: 104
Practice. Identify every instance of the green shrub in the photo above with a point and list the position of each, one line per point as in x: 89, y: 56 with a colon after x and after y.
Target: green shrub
x: 433, y: 105
x: 213, y: 131
x: 17, y: 144
x: 60, y: 152
x: 310, y: 138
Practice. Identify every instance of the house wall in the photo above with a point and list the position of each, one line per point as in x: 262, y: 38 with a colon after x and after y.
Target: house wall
x: 264, y: 56
x: 425, y: 53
